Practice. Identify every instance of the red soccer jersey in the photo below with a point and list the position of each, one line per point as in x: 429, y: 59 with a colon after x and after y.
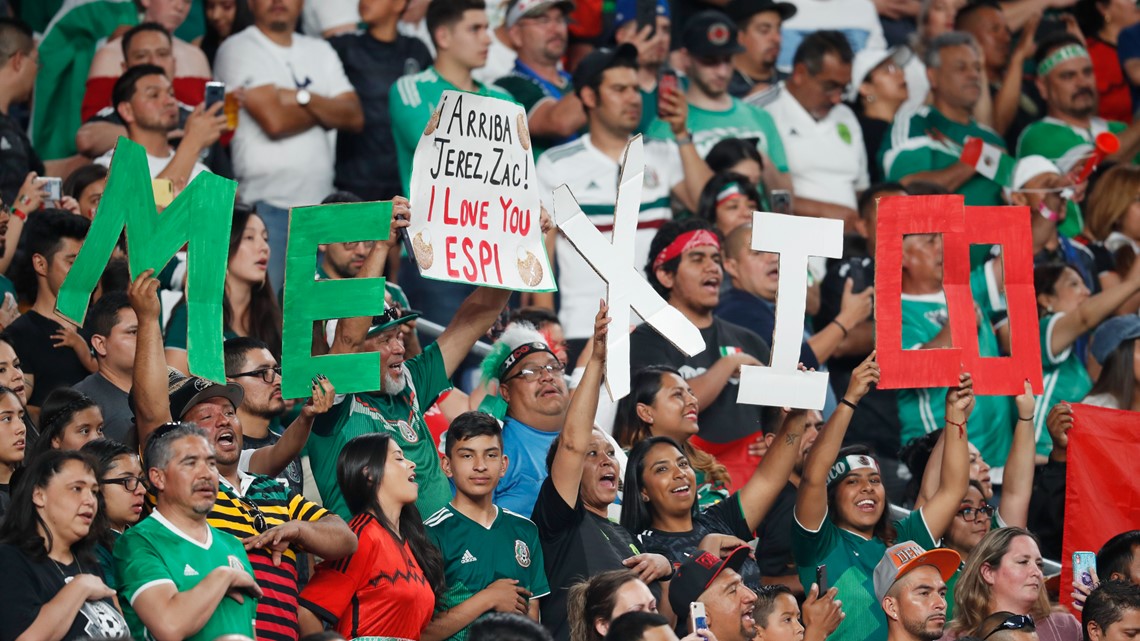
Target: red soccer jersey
x: 379, y: 591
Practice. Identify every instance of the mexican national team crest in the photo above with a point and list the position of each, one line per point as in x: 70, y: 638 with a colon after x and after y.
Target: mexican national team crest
x: 406, y: 430
x: 522, y: 553
x: 235, y: 562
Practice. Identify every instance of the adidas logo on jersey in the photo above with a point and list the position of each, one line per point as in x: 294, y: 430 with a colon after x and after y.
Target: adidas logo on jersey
x: 468, y: 557
x: 189, y: 571
x: 593, y: 185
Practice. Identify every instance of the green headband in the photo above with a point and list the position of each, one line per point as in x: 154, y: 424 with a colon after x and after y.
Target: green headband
x: 1068, y: 52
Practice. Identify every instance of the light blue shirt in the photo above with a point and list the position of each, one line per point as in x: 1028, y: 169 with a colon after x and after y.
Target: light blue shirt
x: 525, y: 448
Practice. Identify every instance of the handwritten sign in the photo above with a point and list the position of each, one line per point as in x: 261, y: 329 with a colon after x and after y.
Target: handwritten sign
x: 475, y: 204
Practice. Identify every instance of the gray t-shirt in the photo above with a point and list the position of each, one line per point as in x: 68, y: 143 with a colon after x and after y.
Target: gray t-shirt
x: 117, y: 414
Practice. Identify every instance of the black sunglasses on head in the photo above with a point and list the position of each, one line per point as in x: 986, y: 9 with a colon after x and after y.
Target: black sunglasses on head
x: 1013, y: 622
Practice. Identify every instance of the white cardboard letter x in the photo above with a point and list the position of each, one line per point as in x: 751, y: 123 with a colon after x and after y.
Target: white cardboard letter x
x: 626, y: 286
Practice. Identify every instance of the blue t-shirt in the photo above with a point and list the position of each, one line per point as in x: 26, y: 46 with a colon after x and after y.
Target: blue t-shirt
x: 748, y: 310
x: 525, y: 448
x: 1127, y: 48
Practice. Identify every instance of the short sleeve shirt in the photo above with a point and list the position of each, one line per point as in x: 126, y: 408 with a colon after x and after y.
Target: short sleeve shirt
x: 530, y: 91
x: 851, y: 561
x: 725, y: 517
x: 52, y: 367
x: 155, y: 552
x: 113, y: 402
x: 1065, y: 381
x: 402, y: 417
x: 741, y: 120
x: 474, y: 556
x: 525, y: 448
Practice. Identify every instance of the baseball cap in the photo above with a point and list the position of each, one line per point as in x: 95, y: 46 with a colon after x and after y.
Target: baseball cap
x: 908, y: 555
x: 1111, y: 334
x: 626, y: 10
x: 697, y: 574
x: 710, y: 33
x: 187, y: 391
x: 597, y: 61
x: 393, y: 315
x: 741, y: 10
x: 868, y: 59
x: 520, y: 9
x: 1029, y: 168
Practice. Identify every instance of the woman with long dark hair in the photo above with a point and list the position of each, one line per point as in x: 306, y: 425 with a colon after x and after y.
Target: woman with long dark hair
x: 661, y: 403
x: 249, y: 307
x: 224, y: 18
x: 388, y: 587
x: 727, y: 201
x: 122, y: 493
x: 68, y: 420
x: 52, y: 588
x: 13, y: 443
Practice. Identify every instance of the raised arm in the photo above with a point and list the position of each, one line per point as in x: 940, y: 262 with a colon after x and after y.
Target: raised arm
x: 811, y: 498
x: 170, y: 615
x: 475, y: 316
x: 696, y: 170
x: 1093, y: 310
x: 272, y: 459
x: 1017, y: 483
x: 149, y: 381
x: 939, y: 511
x: 566, y: 470
x: 771, y: 475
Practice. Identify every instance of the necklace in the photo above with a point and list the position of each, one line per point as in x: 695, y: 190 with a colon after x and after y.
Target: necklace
x: 67, y: 579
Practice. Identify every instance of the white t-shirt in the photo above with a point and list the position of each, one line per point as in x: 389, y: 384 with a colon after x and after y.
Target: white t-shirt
x: 917, y: 84
x: 857, y: 19
x: 292, y: 171
x: 593, y: 180
x: 826, y: 158
x: 319, y: 15
x: 155, y: 163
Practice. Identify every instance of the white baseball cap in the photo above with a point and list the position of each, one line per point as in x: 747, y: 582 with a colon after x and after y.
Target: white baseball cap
x: 865, y: 62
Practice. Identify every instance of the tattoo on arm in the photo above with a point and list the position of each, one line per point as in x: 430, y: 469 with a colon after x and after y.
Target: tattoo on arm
x: 790, y: 439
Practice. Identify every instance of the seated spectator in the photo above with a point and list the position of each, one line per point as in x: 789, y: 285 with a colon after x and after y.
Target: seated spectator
x: 295, y: 92
x: 754, y: 73
x: 380, y: 489
x: 602, y: 597
x: 685, y: 269
x: 727, y: 202
x: 1111, y: 348
x: 733, y: 155
x: 18, y: 65
x: 662, y: 484
x: 841, y: 494
x: 1112, y: 611
x: 661, y: 403
x: 112, y: 326
x: 122, y: 493
x: 1004, y: 575
x: 1119, y: 558
x: 935, y: 17
x: 159, y: 19
x: 47, y: 536
x: 249, y: 307
x: 68, y: 421
x: 826, y: 159
x: 1102, y: 24
x: 1110, y: 233
x: 1039, y: 185
x: 652, y: 51
x: 373, y: 60
x: 144, y: 100
x: 590, y: 166
x: 224, y: 18
x: 151, y: 558
x: 52, y: 355
x: 492, y: 559
x: 713, y: 113
x: 910, y: 585
x: 578, y: 540
x: 879, y: 88
x: 857, y: 19
x: 13, y: 443
x: 86, y: 185
x: 538, y: 32
x: 915, y: 148
x: 547, y: 324
x: 641, y: 626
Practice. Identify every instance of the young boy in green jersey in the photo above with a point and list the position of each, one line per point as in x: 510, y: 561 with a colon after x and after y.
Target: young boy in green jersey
x: 491, y: 556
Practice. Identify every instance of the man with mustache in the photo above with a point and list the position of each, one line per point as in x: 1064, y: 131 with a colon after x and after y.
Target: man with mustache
x: 910, y: 584
x: 754, y: 70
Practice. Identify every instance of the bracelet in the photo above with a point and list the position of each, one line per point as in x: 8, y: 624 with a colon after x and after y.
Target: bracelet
x: 841, y: 327
x: 1022, y: 418
x: 686, y: 139
x: 22, y: 215
x: 961, y: 427
x: 849, y: 403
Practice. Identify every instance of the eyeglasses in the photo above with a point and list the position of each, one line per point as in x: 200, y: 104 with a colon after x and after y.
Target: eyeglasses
x: 266, y: 373
x: 974, y: 513
x: 129, y: 483
x: 533, y: 373
x: 259, y: 522
x: 1014, y: 622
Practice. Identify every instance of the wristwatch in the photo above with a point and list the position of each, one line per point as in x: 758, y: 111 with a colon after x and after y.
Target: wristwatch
x: 303, y: 97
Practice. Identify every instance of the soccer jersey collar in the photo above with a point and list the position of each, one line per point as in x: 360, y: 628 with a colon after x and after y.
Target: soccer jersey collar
x: 244, y: 481
x: 156, y: 515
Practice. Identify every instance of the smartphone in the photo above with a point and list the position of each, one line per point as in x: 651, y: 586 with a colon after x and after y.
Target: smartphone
x: 1084, y: 564
x: 667, y: 82
x: 698, y: 616
x: 647, y: 16
x: 215, y: 93
x: 781, y: 201
x: 821, y: 579
x: 163, y: 191
x: 53, y: 186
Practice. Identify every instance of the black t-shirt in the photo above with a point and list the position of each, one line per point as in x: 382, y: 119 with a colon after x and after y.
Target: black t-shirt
x: 29, y: 584
x: 725, y: 517
x: 774, y: 549
x: 725, y: 420
x: 873, y: 132
x: 366, y: 162
x: 52, y: 367
x: 876, y: 422
x: 576, y: 544
x: 17, y: 158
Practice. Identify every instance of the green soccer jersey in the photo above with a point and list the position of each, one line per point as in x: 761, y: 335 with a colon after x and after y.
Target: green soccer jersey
x: 474, y: 556
x: 529, y: 92
x: 923, y: 410
x: 741, y: 120
x: 926, y: 140
x: 402, y: 416
x: 155, y: 552
x: 1065, y: 380
x: 851, y: 561
x: 411, y: 103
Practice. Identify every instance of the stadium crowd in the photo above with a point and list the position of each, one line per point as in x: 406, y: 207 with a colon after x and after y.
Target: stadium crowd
x: 486, y: 489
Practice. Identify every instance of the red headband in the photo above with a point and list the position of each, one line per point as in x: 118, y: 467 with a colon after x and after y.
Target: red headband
x: 685, y: 242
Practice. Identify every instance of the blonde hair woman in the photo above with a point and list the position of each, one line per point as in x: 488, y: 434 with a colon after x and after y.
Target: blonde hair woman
x: 1112, y: 223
